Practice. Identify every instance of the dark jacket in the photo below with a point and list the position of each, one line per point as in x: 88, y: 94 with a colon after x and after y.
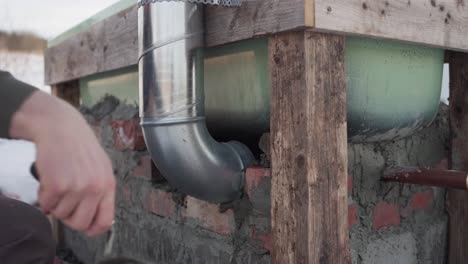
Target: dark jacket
x: 12, y: 94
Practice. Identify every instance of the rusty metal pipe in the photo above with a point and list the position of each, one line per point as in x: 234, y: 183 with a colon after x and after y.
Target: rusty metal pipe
x: 428, y: 177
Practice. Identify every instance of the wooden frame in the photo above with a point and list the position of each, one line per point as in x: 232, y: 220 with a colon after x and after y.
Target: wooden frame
x: 308, y: 114
x: 113, y: 43
x: 68, y: 91
x: 458, y: 200
x: 309, y: 148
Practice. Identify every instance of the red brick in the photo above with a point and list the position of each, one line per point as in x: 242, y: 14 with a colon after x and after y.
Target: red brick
x: 253, y: 178
x: 422, y: 200
x: 161, y: 203
x: 264, y: 238
x: 352, y: 214
x: 386, y: 214
x: 128, y: 135
x: 208, y: 216
x: 143, y: 170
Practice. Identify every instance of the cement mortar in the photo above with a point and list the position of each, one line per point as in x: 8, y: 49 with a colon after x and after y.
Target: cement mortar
x: 427, y: 228
x: 421, y: 235
x: 153, y: 239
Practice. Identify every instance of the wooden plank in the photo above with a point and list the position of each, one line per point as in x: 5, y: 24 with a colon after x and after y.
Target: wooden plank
x: 309, y: 148
x: 108, y: 45
x: 113, y: 43
x: 254, y: 18
x: 458, y: 200
x: 69, y: 91
x: 440, y: 23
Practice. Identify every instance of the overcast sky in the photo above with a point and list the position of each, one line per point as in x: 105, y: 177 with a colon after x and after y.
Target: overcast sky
x: 47, y: 18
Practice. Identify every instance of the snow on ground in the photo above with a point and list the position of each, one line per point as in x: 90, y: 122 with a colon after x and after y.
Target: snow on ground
x: 445, y: 85
x: 27, y: 67
x: 16, y: 157
x: 16, y: 180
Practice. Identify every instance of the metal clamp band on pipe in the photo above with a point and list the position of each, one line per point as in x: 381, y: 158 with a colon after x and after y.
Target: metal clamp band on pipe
x: 172, y: 103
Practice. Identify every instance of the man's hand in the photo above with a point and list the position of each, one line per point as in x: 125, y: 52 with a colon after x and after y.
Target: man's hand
x: 77, y: 184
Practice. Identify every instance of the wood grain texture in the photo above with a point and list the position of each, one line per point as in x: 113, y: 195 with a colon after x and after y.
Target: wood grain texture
x: 254, y: 18
x: 433, y: 22
x: 113, y: 43
x: 458, y: 200
x: 309, y: 148
x: 108, y: 45
x: 69, y: 92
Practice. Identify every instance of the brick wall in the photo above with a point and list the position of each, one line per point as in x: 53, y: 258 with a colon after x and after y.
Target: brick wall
x: 389, y: 223
x: 157, y: 224
x: 395, y: 223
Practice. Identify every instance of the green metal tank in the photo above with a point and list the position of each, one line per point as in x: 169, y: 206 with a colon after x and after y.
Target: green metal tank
x: 393, y: 88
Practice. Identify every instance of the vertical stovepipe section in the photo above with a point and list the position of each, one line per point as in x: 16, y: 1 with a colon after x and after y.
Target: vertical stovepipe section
x: 172, y: 103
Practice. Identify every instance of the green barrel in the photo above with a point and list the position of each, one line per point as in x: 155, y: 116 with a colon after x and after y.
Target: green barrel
x: 393, y: 88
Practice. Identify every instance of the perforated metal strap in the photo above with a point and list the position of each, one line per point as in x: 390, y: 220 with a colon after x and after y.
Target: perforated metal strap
x: 208, y: 2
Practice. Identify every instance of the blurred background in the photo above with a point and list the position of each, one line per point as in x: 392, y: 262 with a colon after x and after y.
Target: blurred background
x: 25, y: 28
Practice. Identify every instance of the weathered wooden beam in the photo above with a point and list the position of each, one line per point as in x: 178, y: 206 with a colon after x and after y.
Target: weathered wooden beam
x: 440, y: 23
x: 68, y: 91
x: 309, y: 148
x: 113, y: 43
x: 108, y: 45
x: 254, y: 18
x: 458, y: 200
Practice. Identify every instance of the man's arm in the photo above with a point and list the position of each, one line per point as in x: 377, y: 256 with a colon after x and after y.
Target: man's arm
x: 77, y: 182
x: 12, y: 95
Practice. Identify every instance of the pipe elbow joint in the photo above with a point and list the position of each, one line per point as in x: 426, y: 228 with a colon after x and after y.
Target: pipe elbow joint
x: 171, y: 104
x: 194, y: 163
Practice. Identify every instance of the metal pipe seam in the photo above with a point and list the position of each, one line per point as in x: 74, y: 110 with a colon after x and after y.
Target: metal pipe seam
x: 172, y: 106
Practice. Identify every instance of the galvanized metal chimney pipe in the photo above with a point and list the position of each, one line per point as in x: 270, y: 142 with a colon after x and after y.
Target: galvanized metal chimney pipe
x: 172, y: 103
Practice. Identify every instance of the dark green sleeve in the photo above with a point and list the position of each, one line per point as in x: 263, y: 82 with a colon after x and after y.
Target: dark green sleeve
x: 12, y: 95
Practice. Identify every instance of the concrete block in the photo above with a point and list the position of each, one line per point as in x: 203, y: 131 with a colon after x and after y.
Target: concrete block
x: 350, y: 185
x: 434, y: 244
x: 354, y: 257
x: 395, y: 249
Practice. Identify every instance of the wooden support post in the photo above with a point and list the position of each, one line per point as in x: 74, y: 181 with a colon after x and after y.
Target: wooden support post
x: 68, y: 91
x: 309, y: 148
x: 458, y: 200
